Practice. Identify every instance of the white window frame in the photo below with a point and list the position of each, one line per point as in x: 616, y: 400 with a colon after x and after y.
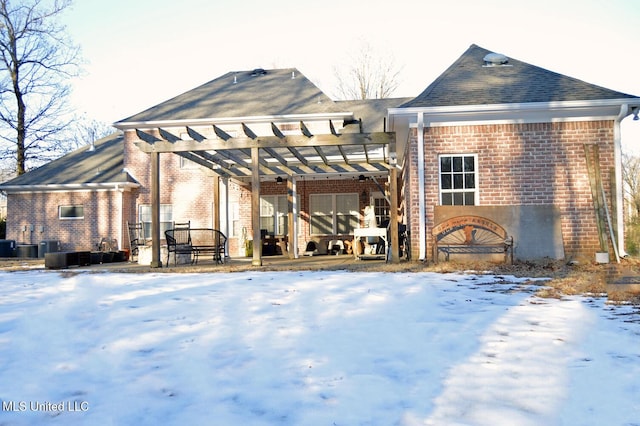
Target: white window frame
x: 475, y: 190
x: 280, y: 209
x: 381, y: 207
x: 355, y: 214
x: 234, y: 219
x: 72, y: 206
x: 166, y: 218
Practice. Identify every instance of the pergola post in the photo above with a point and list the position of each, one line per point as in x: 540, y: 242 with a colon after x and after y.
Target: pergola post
x: 216, y: 202
x: 292, y: 213
x: 393, y: 212
x: 156, y: 262
x: 255, y: 207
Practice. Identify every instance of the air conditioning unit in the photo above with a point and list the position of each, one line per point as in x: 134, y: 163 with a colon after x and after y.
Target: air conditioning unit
x: 48, y: 246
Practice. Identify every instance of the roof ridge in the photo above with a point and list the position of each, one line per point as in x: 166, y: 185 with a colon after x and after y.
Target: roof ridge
x: 469, y: 80
x: 435, y: 83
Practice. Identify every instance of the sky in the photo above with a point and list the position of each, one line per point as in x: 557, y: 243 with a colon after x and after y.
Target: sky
x: 140, y: 53
x: 81, y: 347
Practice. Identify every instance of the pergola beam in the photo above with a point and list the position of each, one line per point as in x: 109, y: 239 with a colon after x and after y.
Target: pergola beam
x: 221, y: 133
x: 344, y: 155
x: 298, y: 156
x: 247, y: 131
x: 277, y: 156
x: 305, y: 130
x: 150, y: 143
x: 231, y: 169
x: 276, y: 131
x: 321, y: 155
x: 198, y: 159
x: 195, y: 135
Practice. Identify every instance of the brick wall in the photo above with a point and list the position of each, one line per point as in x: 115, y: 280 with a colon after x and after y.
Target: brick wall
x: 188, y: 188
x: 100, y: 218
x: 522, y: 164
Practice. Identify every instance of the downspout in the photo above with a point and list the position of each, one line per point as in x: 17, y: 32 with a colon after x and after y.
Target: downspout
x: 617, y: 160
x: 422, y: 234
x: 120, y: 215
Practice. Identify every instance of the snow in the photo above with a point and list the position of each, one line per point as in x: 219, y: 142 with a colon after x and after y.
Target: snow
x: 311, y: 348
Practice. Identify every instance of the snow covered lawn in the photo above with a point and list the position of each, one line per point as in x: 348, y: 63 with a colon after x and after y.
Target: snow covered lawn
x: 311, y: 348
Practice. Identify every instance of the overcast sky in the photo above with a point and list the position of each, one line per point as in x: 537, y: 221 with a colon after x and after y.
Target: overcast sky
x: 142, y: 52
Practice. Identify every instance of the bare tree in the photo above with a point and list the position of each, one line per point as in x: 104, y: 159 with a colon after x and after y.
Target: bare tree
x: 367, y: 75
x: 631, y: 178
x: 85, y: 132
x: 37, y: 62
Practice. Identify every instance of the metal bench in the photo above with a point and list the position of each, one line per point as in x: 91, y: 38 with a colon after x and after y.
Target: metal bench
x: 471, y: 235
x: 196, y: 242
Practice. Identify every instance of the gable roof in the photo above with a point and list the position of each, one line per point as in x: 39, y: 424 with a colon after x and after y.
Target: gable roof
x: 243, y: 94
x: 468, y: 81
x: 100, y: 167
x: 260, y: 101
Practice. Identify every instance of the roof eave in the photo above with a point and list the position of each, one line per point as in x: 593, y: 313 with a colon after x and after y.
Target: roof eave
x: 590, y: 110
x: 127, y: 186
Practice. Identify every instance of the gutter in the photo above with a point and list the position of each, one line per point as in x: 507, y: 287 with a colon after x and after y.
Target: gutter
x: 526, y: 106
x: 113, y: 186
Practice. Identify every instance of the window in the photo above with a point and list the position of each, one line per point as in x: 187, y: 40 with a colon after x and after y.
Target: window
x: 381, y: 209
x: 166, y: 218
x: 234, y: 218
x: 274, y: 216
x: 71, y: 212
x: 458, y: 180
x: 332, y: 214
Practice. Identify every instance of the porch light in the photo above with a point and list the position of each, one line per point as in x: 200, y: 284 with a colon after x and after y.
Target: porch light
x: 279, y: 180
x: 361, y: 178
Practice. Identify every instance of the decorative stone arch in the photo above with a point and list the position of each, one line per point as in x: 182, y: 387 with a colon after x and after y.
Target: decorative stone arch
x: 471, y: 234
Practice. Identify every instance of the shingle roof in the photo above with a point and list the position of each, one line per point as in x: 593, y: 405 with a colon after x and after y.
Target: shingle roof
x: 104, y: 165
x: 244, y: 94
x: 468, y: 82
x: 371, y: 111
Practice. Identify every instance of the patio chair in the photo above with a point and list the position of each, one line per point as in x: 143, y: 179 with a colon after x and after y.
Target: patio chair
x: 136, y: 237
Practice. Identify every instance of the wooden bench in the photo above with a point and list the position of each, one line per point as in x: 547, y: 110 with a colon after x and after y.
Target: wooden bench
x: 471, y: 235
x: 196, y: 242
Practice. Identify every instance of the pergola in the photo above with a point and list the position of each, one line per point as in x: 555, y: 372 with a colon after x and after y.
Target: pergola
x: 292, y: 153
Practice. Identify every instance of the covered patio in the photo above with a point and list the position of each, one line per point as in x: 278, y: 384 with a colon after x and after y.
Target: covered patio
x: 256, y: 128
x: 287, y: 154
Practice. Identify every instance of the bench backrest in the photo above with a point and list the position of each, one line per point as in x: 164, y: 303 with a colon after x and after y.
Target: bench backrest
x: 469, y: 230
x: 178, y: 236
x: 207, y: 237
